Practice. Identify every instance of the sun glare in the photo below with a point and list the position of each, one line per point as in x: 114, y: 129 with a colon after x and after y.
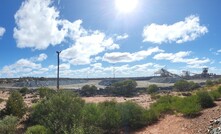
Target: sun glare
x: 126, y: 6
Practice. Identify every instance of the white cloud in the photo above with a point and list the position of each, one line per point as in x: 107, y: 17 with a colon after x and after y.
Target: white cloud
x: 2, y: 31
x: 90, y: 44
x: 26, y: 67
x: 196, y: 66
x: 38, y: 25
x: 20, y: 68
x: 42, y: 57
x: 176, y: 57
x: 181, y: 57
x: 219, y: 51
x: 97, y: 58
x: 96, y: 65
x: 63, y: 66
x: 129, y: 57
x: 146, y: 69
x: 41, y: 27
x: 179, y: 32
x: 74, y: 29
x: 121, y: 37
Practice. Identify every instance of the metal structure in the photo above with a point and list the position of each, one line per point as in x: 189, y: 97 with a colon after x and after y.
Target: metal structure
x: 58, y: 58
x: 186, y: 73
x: 164, y: 73
x: 205, y: 71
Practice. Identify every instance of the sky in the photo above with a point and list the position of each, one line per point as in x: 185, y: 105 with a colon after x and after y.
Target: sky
x: 103, y: 38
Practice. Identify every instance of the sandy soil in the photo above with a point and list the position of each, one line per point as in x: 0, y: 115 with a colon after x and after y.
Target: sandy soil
x: 27, y: 98
x: 3, y: 95
x: 143, y: 100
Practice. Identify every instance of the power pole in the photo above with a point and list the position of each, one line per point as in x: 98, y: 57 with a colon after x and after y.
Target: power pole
x: 58, y: 54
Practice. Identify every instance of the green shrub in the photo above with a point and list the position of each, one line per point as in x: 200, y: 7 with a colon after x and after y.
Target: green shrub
x: 59, y: 113
x: 89, y: 90
x: 124, y: 88
x: 23, y: 91
x: 8, y: 125
x: 15, y: 105
x: 209, y: 83
x: 188, y: 106
x: 219, y: 81
x: 132, y: 115
x: 215, y: 94
x: 77, y: 130
x: 183, y: 85
x: 37, y: 129
x: 193, y: 85
x: 163, y: 105
x: 1, y: 100
x: 45, y: 92
x: 151, y: 116
x: 91, y: 119
x: 219, y: 89
x: 110, y: 117
x: 205, y: 99
x: 152, y: 89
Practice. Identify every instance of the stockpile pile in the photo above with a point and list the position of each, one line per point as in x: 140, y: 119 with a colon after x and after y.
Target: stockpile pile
x: 45, y: 83
x: 165, y: 79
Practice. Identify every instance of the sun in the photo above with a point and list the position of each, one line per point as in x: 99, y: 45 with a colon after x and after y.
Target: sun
x: 126, y: 6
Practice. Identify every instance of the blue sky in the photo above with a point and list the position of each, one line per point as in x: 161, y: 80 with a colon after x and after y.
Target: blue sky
x: 98, y: 36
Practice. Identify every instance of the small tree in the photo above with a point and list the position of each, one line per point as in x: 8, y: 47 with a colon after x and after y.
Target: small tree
x: 23, y: 91
x: 89, y: 90
x: 124, y: 88
x: 219, y: 89
x: 193, y: 85
x: 209, y: 83
x: 205, y: 99
x: 182, y: 85
x: 45, y: 92
x: 15, y: 105
x: 59, y: 113
x: 152, y: 89
x: 37, y: 129
x: 8, y: 125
